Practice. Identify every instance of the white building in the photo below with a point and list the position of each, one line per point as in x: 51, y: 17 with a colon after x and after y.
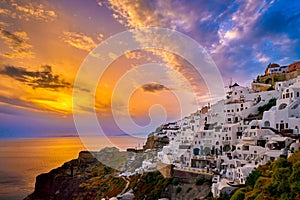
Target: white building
x: 285, y: 116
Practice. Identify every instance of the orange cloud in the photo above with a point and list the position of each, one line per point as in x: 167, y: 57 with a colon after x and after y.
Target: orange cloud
x: 36, y: 11
x: 17, y: 42
x: 79, y: 40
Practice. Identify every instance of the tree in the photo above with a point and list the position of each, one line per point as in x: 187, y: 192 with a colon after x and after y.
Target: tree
x: 238, y: 195
x: 295, y: 178
x: 252, y: 178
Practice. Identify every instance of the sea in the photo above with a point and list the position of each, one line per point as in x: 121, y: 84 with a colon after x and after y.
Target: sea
x: 21, y: 160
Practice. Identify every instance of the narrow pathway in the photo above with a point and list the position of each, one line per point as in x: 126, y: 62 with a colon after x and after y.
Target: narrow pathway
x: 127, y: 185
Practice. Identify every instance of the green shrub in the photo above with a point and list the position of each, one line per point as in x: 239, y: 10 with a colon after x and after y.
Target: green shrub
x: 252, y: 178
x: 200, y: 181
x: 188, y: 190
x: 238, y: 195
x: 178, y: 189
x: 175, y: 182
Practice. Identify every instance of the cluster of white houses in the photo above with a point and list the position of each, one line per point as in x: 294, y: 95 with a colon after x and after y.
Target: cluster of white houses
x: 234, y: 136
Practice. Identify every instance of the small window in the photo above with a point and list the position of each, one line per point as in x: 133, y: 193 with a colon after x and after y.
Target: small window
x: 298, y: 94
x: 286, y: 125
x: 237, y: 110
x: 242, y: 105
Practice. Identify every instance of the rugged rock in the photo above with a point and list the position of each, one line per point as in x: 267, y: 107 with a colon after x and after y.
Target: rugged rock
x: 87, y: 178
x: 156, y: 142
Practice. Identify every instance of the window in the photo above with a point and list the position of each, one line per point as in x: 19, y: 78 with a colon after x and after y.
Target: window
x: 298, y: 94
x: 267, y: 124
x: 287, y: 95
x: 277, y: 126
x: 237, y: 110
x: 286, y: 125
x: 228, y: 110
x: 283, y: 96
x: 242, y: 105
x: 291, y: 95
x: 242, y: 109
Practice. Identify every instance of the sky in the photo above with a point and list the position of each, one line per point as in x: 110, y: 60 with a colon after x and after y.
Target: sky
x: 44, y: 43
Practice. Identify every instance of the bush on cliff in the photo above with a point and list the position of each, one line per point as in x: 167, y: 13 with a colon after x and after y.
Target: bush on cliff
x: 278, y: 180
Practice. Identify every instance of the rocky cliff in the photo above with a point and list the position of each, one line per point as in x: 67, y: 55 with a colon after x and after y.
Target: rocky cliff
x: 156, y: 142
x: 86, y: 178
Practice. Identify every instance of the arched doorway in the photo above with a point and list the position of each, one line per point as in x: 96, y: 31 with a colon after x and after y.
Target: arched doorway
x: 267, y: 124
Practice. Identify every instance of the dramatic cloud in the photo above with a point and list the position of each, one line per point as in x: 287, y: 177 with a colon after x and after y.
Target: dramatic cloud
x: 241, y: 36
x: 17, y: 42
x: 79, y: 40
x: 135, y: 14
x: 153, y: 87
x: 36, y: 79
x: 34, y: 10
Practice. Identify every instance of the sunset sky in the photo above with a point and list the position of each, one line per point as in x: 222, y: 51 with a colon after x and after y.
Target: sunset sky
x: 43, y: 44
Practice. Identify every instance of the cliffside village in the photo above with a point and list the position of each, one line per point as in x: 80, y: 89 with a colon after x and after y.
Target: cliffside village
x: 230, y: 138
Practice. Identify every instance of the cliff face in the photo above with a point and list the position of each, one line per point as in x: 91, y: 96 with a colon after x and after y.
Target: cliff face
x: 76, y: 179
x: 86, y: 178
x: 156, y: 142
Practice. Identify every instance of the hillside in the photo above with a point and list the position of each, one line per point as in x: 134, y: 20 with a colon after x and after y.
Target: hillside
x: 86, y: 178
x: 277, y: 180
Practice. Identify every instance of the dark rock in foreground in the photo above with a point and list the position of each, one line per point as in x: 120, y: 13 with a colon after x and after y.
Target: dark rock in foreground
x: 86, y: 178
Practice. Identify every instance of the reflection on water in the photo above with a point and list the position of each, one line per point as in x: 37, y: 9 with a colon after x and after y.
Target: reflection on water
x: 23, y: 159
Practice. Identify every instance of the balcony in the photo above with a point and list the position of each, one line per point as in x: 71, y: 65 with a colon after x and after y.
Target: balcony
x: 248, y: 138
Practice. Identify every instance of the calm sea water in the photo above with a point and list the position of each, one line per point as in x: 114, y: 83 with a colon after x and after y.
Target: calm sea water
x: 21, y: 160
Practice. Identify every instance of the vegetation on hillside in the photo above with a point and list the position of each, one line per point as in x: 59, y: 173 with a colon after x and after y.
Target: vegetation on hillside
x: 150, y: 185
x: 266, y: 107
x: 262, y: 109
x: 277, y: 180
